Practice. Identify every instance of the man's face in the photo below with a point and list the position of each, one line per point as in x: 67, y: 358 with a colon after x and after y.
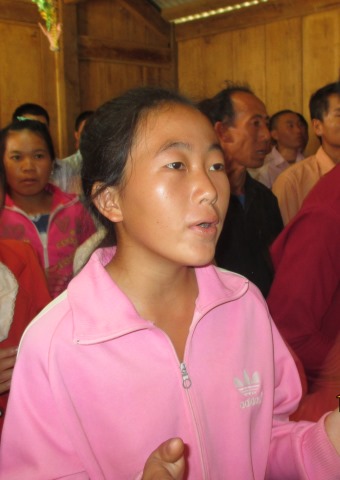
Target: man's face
x: 289, y: 132
x: 329, y: 127
x: 247, y: 141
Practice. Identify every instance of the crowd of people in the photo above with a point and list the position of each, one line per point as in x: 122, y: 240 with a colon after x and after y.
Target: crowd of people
x: 190, y: 251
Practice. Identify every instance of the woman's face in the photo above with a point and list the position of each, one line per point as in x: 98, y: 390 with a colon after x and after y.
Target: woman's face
x: 27, y: 162
x: 176, y: 194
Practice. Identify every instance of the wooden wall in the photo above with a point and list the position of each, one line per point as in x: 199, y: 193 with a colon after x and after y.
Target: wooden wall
x: 120, y: 48
x: 107, y: 46
x: 285, y: 51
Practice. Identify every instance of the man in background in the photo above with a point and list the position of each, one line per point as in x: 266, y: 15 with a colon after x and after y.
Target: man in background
x: 253, y: 219
x: 68, y: 175
x: 292, y: 186
x: 288, y: 133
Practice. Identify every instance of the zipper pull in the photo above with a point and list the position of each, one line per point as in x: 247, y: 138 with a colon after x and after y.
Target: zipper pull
x: 186, y: 382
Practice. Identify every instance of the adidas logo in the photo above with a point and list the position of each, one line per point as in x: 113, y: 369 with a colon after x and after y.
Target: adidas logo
x: 249, y: 387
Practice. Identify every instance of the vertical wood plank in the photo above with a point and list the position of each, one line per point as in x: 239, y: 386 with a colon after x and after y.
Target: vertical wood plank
x: 249, y: 59
x: 284, y: 65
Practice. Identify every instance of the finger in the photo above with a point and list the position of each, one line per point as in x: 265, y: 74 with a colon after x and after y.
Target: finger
x: 8, y: 352
x: 7, y: 363
x: 166, y: 462
x: 171, y: 450
x: 5, y: 382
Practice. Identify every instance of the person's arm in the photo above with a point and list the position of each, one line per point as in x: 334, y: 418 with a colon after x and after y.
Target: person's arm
x: 166, y: 462
x: 305, y: 286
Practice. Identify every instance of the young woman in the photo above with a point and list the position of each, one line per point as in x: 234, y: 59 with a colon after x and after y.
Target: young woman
x: 151, y: 341
x: 23, y: 293
x: 55, y: 223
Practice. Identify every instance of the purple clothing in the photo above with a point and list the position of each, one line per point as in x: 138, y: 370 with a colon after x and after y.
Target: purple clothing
x: 97, y: 388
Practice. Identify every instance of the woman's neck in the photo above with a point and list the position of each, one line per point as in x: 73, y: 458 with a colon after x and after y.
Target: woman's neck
x: 163, y: 294
x: 34, y: 204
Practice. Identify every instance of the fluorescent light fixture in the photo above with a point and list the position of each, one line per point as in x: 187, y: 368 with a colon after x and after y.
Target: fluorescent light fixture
x: 218, y: 11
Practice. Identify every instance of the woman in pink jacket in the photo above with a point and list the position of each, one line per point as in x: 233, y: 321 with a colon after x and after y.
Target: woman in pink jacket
x: 150, y: 341
x: 53, y: 222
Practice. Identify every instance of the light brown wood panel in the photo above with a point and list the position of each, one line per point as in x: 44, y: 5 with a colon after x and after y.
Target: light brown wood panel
x: 249, y: 59
x: 110, y: 19
x: 100, y: 81
x: 191, y: 62
x: 213, y: 65
x: 22, y: 70
x: 284, y: 65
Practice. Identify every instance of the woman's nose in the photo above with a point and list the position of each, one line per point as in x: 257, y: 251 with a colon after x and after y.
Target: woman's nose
x: 205, y: 189
x: 28, y: 163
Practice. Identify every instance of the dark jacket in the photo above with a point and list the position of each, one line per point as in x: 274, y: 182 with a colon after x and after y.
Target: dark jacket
x: 248, y: 231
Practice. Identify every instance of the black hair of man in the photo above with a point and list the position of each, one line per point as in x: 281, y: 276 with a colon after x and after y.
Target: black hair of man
x: 319, y: 101
x: 274, y: 118
x: 31, y: 109
x: 220, y: 108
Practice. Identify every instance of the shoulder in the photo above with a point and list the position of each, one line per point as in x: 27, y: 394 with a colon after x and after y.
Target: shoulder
x: 43, y: 328
x: 236, y: 286
x: 260, y: 189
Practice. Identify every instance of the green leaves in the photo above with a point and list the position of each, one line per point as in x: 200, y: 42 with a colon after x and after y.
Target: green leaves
x: 48, y: 12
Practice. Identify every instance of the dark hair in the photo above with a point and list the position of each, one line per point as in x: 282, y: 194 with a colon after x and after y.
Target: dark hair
x: 81, y: 117
x: 34, y: 126
x: 109, y: 135
x: 274, y: 118
x: 32, y: 109
x: 319, y: 101
x: 220, y: 108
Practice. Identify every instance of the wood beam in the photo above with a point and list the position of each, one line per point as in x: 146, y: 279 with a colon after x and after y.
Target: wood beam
x: 261, y: 14
x: 27, y: 12
x: 196, y: 6
x: 125, y: 52
x: 74, y: 1
x: 149, y: 15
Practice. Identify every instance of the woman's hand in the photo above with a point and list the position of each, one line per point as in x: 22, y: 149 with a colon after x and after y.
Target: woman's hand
x: 7, y: 361
x: 166, y: 462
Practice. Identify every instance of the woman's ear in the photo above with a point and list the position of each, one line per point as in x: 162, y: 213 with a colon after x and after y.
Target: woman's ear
x: 107, y: 202
x: 223, y: 132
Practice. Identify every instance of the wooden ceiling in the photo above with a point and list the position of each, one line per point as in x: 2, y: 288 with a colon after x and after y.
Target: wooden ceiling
x: 174, y: 9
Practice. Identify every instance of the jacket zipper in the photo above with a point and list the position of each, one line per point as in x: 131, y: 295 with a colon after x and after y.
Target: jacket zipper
x: 50, y: 218
x: 186, y: 380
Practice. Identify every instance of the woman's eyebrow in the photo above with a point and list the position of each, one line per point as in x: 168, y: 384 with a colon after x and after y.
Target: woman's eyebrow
x: 172, y: 145
x: 187, y: 146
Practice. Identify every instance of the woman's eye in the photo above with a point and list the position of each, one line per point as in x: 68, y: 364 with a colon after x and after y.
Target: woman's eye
x: 15, y: 157
x: 217, y: 167
x: 175, y: 165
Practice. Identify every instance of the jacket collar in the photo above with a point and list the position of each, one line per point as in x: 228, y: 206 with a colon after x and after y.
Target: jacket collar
x: 59, y: 197
x: 101, y: 311
x: 325, y: 163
